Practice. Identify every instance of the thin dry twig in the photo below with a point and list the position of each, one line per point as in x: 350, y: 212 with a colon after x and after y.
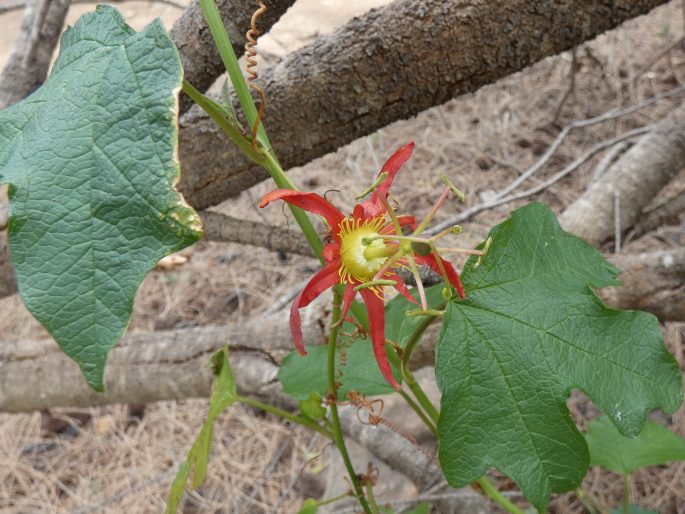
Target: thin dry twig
x: 654, y: 59
x: 617, y: 222
x: 571, y: 90
x: 609, y: 115
x: 501, y: 200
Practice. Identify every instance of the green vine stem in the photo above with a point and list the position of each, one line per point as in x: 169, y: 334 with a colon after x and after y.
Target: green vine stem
x: 223, y: 44
x: 409, y: 379
x: 333, y: 395
x: 372, y: 500
x: 287, y: 415
x: 586, y: 501
x: 626, y: 494
x: 490, y: 489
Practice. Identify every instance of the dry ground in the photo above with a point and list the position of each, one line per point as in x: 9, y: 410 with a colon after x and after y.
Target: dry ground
x: 119, y: 459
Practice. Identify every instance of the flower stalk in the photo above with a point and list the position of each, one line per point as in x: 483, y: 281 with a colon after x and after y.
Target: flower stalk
x: 336, y: 318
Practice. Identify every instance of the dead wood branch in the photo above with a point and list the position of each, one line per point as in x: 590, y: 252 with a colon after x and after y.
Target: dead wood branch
x: 364, y: 76
x: 636, y: 177
x: 653, y: 282
x: 219, y: 227
x: 664, y: 214
x: 147, y: 367
x: 28, y: 64
x: 201, y: 61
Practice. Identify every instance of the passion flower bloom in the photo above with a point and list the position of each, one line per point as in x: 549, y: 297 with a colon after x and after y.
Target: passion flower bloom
x: 362, y: 256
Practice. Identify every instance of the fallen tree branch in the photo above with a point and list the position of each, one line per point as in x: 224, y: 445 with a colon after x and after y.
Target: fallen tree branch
x: 435, y: 51
x: 201, y: 61
x: 636, y: 177
x: 28, y: 64
x: 223, y: 228
x: 653, y: 282
x: 663, y: 214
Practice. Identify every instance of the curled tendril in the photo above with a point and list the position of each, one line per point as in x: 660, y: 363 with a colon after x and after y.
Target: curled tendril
x: 252, y: 63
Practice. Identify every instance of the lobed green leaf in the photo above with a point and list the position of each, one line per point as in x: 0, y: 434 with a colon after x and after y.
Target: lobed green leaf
x: 530, y: 330
x: 91, y: 159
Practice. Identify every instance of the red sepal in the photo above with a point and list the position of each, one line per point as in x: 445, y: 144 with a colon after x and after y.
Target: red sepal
x: 401, y: 287
x: 452, y: 275
x: 309, y: 202
x: 376, y: 310
x: 325, y: 278
x: 348, y: 297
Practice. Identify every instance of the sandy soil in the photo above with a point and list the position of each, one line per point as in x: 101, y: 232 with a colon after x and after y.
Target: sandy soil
x: 121, y: 459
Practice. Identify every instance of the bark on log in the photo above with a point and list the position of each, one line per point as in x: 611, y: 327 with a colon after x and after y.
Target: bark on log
x: 201, y: 61
x: 28, y: 64
x: 664, y: 214
x: 636, y: 178
x: 148, y: 367
x: 653, y: 282
x: 219, y: 227
x: 390, y: 64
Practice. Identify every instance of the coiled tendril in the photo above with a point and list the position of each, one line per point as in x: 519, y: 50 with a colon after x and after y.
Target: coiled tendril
x: 252, y: 63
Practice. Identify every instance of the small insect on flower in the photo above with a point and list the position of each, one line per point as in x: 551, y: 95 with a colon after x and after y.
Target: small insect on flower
x: 366, y: 249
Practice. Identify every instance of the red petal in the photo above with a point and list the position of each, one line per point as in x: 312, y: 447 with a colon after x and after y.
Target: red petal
x: 401, y: 287
x: 358, y: 212
x: 376, y: 310
x: 391, y: 167
x: 325, y: 278
x: 348, y: 296
x: 452, y: 275
x: 308, y: 201
x: 331, y: 252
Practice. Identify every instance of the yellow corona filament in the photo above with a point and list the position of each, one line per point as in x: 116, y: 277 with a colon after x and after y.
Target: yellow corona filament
x: 360, y: 262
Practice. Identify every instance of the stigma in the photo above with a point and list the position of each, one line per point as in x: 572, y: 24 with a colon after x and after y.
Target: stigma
x: 362, y: 251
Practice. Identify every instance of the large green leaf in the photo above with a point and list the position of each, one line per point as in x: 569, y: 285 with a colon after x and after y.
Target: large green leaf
x: 654, y: 445
x: 303, y: 375
x: 530, y: 331
x: 91, y: 159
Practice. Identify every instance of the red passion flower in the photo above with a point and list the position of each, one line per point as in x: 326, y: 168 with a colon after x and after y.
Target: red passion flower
x: 362, y: 256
